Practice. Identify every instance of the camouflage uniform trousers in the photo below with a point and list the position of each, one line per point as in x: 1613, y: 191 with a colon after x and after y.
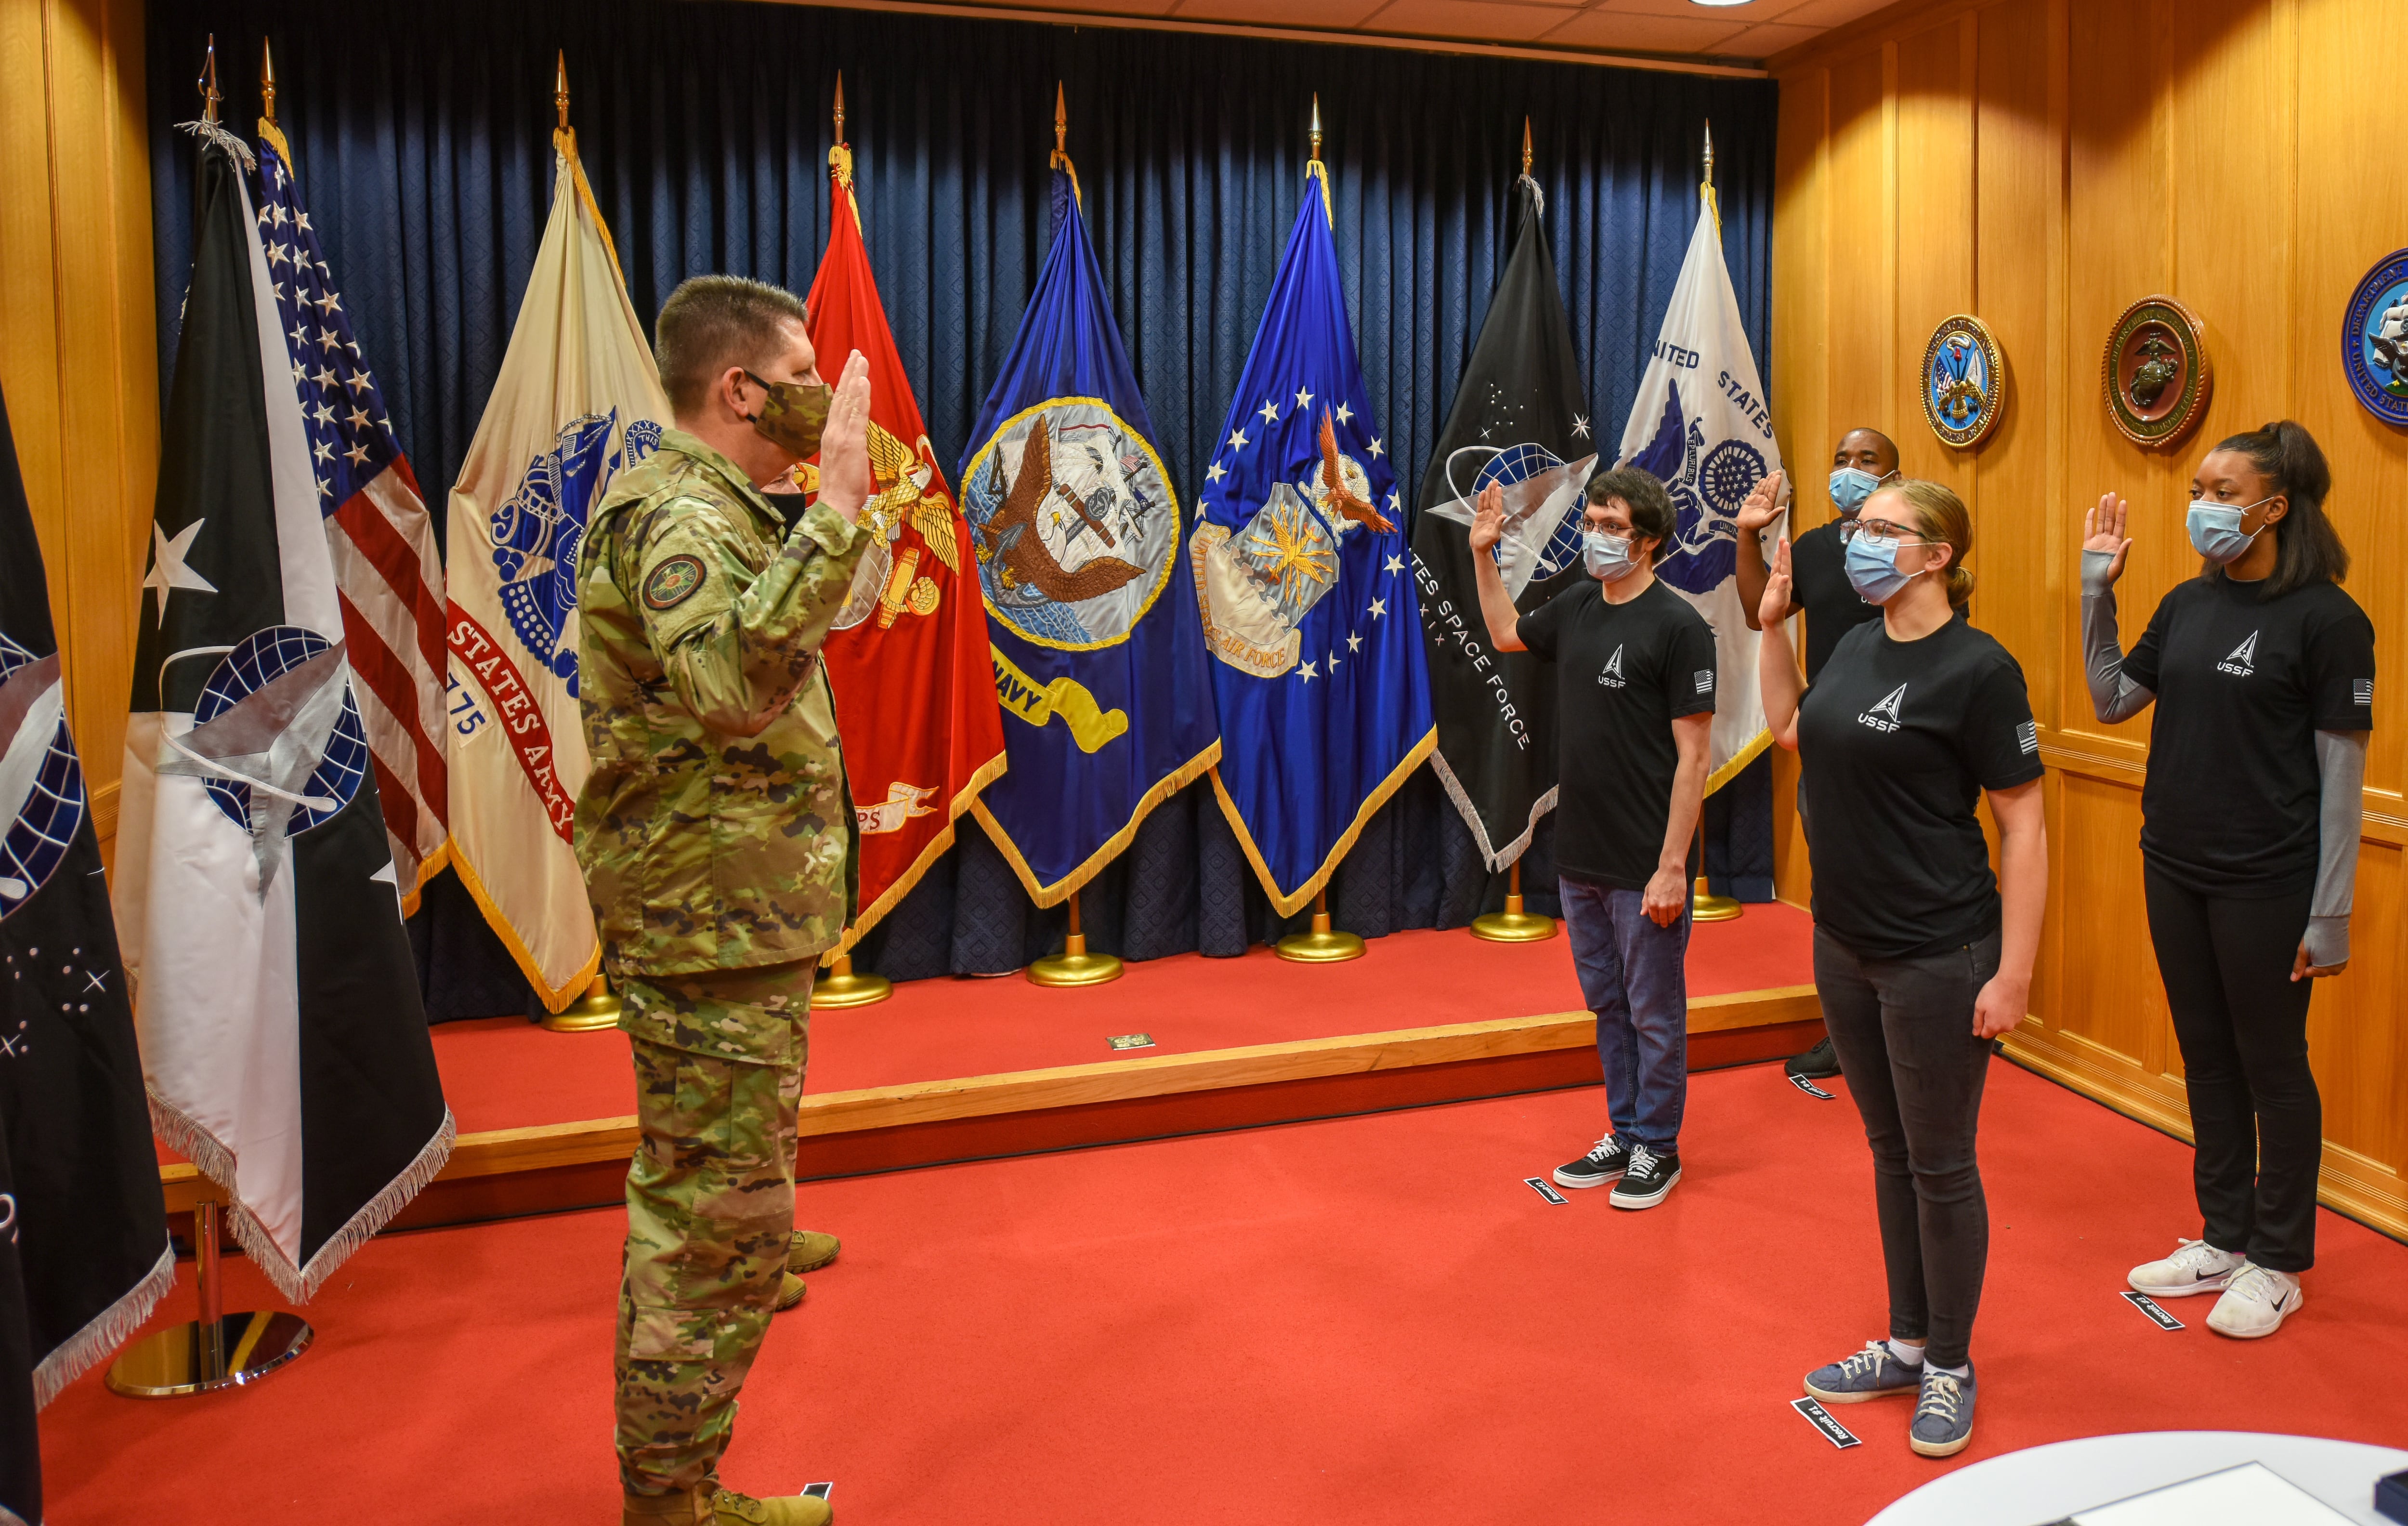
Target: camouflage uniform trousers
x: 710, y: 1207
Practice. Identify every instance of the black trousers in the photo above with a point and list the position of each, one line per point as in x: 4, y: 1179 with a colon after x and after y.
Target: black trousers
x: 2242, y: 1024
x: 1903, y: 1032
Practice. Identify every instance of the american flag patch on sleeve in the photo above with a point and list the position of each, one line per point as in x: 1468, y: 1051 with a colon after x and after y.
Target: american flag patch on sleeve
x: 2028, y: 735
x: 1705, y: 681
x: 2363, y: 691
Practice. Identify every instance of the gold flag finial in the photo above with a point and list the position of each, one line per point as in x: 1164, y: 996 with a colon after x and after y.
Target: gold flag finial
x: 1526, y: 148
x: 1316, y: 124
x: 560, y: 87
x: 267, y: 81
x: 1710, y: 152
x: 209, y: 84
x: 1061, y: 119
x: 839, y: 106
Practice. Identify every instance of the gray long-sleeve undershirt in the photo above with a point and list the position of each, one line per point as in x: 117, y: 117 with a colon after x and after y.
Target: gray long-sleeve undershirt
x: 2341, y: 767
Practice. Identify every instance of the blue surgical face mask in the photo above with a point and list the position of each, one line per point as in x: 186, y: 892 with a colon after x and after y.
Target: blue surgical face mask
x: 2215, y: 529
x: 1851, y: 486
x: 1872, y: 568
x: 1607, y: 556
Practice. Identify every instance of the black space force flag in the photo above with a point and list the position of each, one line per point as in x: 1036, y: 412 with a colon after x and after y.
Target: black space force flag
x: 83, y: 1233
x: 1519, y: 420
x: 283, y: 1043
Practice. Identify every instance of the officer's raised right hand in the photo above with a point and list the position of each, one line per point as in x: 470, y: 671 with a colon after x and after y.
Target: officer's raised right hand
x: 844, y: 444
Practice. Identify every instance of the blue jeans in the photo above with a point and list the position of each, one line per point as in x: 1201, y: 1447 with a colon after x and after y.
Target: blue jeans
x: 1632, y: 977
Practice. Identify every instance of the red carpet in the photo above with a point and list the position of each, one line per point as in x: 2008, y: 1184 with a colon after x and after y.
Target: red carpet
x: 1364, y: 1320
x: 503, y: 1073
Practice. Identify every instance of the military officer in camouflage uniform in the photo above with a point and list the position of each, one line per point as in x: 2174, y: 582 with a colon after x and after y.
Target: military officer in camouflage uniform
x: 717, y: 838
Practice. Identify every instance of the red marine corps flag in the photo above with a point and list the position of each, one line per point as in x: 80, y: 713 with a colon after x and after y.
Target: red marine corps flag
x: 914, y: 688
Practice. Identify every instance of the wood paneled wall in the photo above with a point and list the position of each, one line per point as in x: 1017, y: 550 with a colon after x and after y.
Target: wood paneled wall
x: 78, y: 350
x: 2040, y: 164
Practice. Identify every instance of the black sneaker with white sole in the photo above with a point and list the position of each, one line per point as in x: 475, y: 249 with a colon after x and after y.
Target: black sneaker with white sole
x: 1819, y: 1063
x: 1647, y: 1180
x: 1604, y: 1163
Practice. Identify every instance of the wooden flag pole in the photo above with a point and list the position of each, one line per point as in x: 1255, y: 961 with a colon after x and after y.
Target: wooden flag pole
x: 1074, y: 965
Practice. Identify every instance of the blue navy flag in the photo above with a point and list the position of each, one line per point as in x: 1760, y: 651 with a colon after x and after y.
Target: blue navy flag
x: 1307, y: 585
x: 1099, y: 658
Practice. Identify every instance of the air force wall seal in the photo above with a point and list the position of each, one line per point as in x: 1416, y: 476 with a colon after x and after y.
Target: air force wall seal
x: 1964, y: 381
x: 2375, y: 340
x: 41, y: 781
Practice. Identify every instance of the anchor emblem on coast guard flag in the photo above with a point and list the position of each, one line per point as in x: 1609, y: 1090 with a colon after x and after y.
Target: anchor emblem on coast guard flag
x: 537, y: 531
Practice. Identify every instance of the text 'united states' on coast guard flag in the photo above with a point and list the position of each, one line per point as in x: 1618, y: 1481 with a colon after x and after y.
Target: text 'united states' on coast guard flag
x: 388, y: 576
x: 1098, y: 660
x: 577, y: 401
x: 1300, y: 560
x: 1519, y: 420
x: 908, y: 656
x: 83, y: 1233
x: 1702, y: 427
x: 257, y: 901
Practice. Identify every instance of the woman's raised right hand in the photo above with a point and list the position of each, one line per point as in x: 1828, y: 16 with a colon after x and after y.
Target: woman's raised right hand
x: 2102, y: 529
x: 1774, y: 606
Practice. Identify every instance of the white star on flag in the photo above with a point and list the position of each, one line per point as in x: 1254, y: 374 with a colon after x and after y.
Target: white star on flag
x: 1580, y: 426
x: 1379, y: 608
x: 1237, y: 441
x: 1374, y: 446
x: 1344, y: 413
x: 1268, y: 412
x: 1213, y: 473
x: 1303, y: 397
x: 1395, y: 564
x: 167, y: 570
x: 1353, y: 642
x: 1307, y: 673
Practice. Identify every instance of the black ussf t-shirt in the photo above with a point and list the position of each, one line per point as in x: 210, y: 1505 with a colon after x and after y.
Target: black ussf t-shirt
x: 2243, y: 685
x: 1818, y: 582
x: 1896, y: 743
x: 1624, y: 673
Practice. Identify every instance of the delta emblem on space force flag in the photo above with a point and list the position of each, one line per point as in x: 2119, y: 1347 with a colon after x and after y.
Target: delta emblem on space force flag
x: 1097, y: 658
x: 1519, y: 420
x: 909, y: 655
x: 1300, y: 560
x: 83, y: 1232
x: 1701, y: 426
x: 577, y: 401
x: 275, y: 994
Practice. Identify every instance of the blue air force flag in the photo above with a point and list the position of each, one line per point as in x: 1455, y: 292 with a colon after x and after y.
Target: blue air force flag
x: 1300, y: 562
x: 1701, y: 425
x: 1098, y: 660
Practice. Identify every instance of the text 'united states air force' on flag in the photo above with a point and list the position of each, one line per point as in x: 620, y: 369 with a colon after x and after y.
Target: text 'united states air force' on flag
x: 1520, y: 421
x: 1299, y: 561
x: 577, y: 402
x: 1702, y: 427
x: 1099, y: 659
x: 276, y: 997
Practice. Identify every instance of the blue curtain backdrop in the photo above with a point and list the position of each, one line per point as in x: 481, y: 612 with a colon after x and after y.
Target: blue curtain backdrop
x: 421, y: 136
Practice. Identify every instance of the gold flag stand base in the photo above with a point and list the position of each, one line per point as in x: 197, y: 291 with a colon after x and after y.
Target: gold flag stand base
x: 1321, y: 945
x: 839, y: 986
x: 1074, y: 965
x: 1513, y: 924
x: 218, y: 1350
x: 1705, y: 906
x: 596, y: 1009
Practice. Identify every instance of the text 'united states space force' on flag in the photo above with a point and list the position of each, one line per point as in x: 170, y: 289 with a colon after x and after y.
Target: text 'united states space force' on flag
x: 387, y: 574
x: 276, y: 997
x: 1702, y: 427
x: 1300, y: 560
x: 83, y: 1232
x: 1519, y: 420
x: 577, y: 402
x: 1098, y: 661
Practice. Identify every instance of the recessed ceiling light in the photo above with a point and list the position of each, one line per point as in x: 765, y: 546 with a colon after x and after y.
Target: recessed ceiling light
x: 1718, y: 3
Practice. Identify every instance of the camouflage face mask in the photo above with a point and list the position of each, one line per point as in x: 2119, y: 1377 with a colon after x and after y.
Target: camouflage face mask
x: 794, y: 414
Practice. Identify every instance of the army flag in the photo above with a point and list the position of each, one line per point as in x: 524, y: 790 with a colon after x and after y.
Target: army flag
x: 1520, y: 421
x: 275, y: 995
x: 908, y: 655
x: 577, y: 402
x: 1299, y: 561
x: 388, y: 577
x: 83, y: 1233
x: 1701, y: 426
x: 1099, y: 662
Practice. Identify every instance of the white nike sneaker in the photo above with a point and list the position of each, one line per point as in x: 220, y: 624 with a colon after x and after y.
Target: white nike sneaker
x: 2195, y: 1267
x: 2257, y: 1302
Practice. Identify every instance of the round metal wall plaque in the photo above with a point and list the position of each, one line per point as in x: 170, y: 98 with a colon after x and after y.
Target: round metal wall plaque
x: 1964, y: 381
x: 2155, y: 371
x: 2375, y: 340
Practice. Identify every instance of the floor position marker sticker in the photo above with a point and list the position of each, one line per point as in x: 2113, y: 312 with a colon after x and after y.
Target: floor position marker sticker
x: 1820, y: 1419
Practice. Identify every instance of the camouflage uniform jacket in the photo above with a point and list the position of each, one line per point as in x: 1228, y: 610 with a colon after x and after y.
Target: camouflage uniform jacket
x: 715, y: 830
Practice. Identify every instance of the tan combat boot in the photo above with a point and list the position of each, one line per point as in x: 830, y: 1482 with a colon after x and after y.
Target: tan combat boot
x: 790, y: 1293
x: 809, y: 1251
x: 691, y: 1507
x: 729, y: 1508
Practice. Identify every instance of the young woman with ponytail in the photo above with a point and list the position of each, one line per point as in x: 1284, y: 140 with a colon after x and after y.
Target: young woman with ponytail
x: 1921, y: 955
x: 2262, y: 672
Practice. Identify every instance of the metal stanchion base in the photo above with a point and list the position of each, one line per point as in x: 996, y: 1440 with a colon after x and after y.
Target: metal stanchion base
x: 1319, y: 946
x: 842, y: 988
x: 1075, y: 967
x: 1513, y: 925
x: 1705, y: 906
x: 177, y: 1361
x: 592, y: 1011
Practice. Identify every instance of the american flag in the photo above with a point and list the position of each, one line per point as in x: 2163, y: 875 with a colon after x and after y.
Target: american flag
x: 386, y: 570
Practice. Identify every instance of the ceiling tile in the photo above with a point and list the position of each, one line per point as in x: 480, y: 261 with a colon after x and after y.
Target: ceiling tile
x: 1319, y: 13
x: 1122, y: 8
x: 1766, y: 40
x: 1696, y: 33
x: 1821, y: 12
x: 1483, y: 21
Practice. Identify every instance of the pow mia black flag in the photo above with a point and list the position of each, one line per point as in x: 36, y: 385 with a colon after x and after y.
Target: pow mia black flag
x: 1519, y: 420
x: 83, y: 1235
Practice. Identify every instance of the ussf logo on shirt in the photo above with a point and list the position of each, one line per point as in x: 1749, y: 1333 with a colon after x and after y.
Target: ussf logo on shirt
x: 2243, y: 663
x: 1611, y: 677
x: 1883, y: 715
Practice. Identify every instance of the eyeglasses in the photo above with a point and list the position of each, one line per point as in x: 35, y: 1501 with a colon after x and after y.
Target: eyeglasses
x: 1877, y: 533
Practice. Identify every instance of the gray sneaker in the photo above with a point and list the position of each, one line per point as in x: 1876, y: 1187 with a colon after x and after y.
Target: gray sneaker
x: 1944, y: 1420
x: 1872, y: 1373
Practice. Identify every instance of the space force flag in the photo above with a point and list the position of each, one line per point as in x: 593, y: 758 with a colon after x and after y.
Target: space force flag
x: 83, y: 1233
x: 275, y: 995
x: 577, y: 402
x: 908, y: 658
x: 1097, y: 658
x: 1520, y: 421
x: 1701, y: 426
x: 1299, y: 559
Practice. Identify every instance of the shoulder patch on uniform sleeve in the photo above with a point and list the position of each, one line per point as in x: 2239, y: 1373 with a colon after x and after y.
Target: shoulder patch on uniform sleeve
x: 672, y: 583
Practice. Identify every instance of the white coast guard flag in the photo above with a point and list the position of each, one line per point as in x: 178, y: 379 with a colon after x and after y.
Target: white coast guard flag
x: 578, y: 402
x: 1702, y: 426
